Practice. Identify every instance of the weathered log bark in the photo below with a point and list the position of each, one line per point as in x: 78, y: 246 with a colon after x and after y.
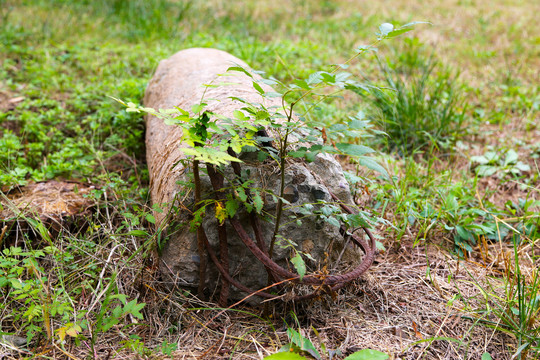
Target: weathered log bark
x: 178, y: 81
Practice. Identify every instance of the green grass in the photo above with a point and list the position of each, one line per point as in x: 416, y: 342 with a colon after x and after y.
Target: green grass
x: 420, y: 104
x: 66, y: 57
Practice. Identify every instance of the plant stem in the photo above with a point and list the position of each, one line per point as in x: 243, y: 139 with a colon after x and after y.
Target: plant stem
x: 200, y: 240
x: 282, y: 156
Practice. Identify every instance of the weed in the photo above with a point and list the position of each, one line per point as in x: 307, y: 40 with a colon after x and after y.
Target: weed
x: 492, y: 163
x: 517, y: 310
x: 421, y: 104
x: 300, y: 345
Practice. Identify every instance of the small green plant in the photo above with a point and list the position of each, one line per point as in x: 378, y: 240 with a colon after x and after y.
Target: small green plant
x: 215, y: 140
x: 517, y: 310
x: 502, y: 164
x: 419, y: 105
x: 300, y: 346
x: 25, y: 282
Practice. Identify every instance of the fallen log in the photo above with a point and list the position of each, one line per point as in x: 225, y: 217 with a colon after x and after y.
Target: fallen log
x: 244, y: 262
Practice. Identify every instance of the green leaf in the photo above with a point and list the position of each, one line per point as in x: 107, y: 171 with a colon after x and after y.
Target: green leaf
x: 197, y: 108
x: 367, y: 354
x: 302, y: 342
x: 333, y: 221
x: 464, y: 234
x: 356, y: 220
x: 262, y: 115
x: 285, y: 356
x: 242, y: 194
x: 240, y: 69
x: 232, y: 206
x: 151, y: 219
x: 299, y: 265
x: 258, y: 88
x: 485, y: 170
x: 398, y: 32
x: 117, y: 312
x: 511, y: 157
x: 302, y: 84
x: 135, y: 310
x: 258, y: 203
x: 481, y: 159
x: 415, y: 23
x: 373, y: 165
x: 16, y: 284
x: 210, y: 155
x: 492, y: 156
x: 240, y: 115
x: 353, y: 149
x: 137, y: 233
x: 522, y: 167
x: 385, y: 29
x: 486, y: 356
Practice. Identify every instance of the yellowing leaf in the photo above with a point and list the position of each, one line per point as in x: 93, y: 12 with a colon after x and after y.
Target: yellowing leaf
x: 73, y: 330
x: 61, y: 333
x: 69, y: 329
x: 221, y: 213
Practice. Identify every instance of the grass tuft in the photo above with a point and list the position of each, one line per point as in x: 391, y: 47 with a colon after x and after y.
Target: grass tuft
x: 421, y: 104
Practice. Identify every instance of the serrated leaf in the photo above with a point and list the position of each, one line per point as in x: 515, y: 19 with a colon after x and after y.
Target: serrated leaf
x: 117, y: 311
x: 210, y: 155
x: 242, y: 194
x: 357, y: 220
x: 221, y: 213
x: 328, y: 78
x: 327, y: 210
x: 299, y: 265
x: 262, y: 115
x: 258, y: 202
x: 367, y: 354
x: 232, y: 206
x: 333, y: 221
x: 135, y: 311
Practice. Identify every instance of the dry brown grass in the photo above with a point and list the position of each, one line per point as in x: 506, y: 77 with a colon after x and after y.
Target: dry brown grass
x: 409, y: 305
